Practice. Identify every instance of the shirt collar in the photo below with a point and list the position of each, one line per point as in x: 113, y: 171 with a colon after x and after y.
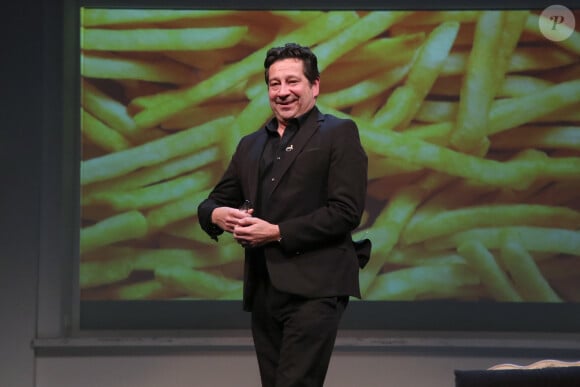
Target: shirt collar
x: 272, y: 125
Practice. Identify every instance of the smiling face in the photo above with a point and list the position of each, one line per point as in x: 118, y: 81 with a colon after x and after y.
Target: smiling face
x: 290, y: 92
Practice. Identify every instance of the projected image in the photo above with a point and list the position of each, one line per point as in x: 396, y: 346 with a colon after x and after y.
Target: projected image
x: 471, y: 120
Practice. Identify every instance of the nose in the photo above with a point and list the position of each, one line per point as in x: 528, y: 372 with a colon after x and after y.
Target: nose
x: 283, y: 90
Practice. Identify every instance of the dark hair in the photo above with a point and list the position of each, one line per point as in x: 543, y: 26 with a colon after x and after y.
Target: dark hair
x: 293, y: 50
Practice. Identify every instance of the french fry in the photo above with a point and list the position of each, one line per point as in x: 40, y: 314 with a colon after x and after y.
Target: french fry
x: 172, y: 212
x: 527, y: 277
x: 388, y: 52
x: 572, y: 43
x: 201, y: 114
x: 516, y: 173
x: 152, y: 259
x: 478, y: 89
x: 464, y: 36
x: 154, y: 195
x: 155, y: 152
x: 423, y: 73
x: 417, y: 256
x: 203, y: 64
x: 368, y: 27
x: 234, y: 94
x: 150, y: 39
x: 368, y: 88
x: 520, y: 85
x: 235, y: 294
x: 454, y: 221
x: 412, y: 283
x: 390, y: 224
x: 444, y: 111
x: 146, y: 176
x: 188, y: 229
x: 367, y: 108
x: 523, y: 59
x: 108, y: 110
x: 492, y: 276
x: 339, y: 76
x: 143, y: 290
x: 513, y: 24
x: 433, y: 133
x: 107, y: 253
x: 298, y: 17
x: 512, y: 86
x: 437, y: 112
x: 384, y: 228
x: 255, y: 113
x: 543, y: 137
x: 101, y: 135
x: 196, y: 283
x: 98, y: 273
x: 486, y: 68
x: 124, y: 226
x: 536, y: 239
x: 108, y: 17
x: 538, y: 58
x: 433, y: 18
x: 514, y: 112
x: 107, y: 66
x: 386, y: 173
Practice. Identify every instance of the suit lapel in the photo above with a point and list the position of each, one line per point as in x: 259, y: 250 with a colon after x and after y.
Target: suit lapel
x: 254, y: 165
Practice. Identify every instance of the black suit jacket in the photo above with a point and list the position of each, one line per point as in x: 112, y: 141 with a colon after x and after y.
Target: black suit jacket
x: 317, y: 199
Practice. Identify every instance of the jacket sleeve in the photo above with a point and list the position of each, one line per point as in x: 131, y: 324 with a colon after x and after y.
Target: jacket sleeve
x: 226, y: 193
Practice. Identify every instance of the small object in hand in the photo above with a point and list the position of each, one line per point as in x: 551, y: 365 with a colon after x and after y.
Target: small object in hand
x: 246, y: 206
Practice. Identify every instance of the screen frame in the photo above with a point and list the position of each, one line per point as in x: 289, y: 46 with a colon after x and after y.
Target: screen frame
x: 178, y: 316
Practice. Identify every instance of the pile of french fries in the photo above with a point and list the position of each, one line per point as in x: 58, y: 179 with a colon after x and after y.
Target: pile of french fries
x: 471, y: 120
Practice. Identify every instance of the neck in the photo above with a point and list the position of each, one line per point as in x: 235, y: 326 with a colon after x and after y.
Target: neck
x: 281, y: 127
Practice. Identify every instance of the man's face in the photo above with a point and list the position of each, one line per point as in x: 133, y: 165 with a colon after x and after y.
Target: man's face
x: 290, y: 92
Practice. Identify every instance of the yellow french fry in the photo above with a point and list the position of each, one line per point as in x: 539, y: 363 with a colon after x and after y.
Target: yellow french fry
x: 121, y: 227
x: 154, y: 152
x: 492, y: 277
x: 152, y: 39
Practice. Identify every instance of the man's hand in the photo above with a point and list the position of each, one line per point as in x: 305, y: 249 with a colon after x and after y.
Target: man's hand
x: 254, y: 232
x: 227, y: 218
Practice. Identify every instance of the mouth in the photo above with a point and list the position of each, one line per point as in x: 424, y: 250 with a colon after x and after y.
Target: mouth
x: 286, y: 103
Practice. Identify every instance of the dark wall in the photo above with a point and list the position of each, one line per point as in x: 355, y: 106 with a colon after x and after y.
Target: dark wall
x: 28, y: 76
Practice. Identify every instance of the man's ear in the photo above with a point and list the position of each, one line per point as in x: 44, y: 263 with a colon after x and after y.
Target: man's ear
x: 316, y: 87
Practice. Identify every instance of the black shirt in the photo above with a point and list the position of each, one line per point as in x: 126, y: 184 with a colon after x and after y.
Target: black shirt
x: 275, y: 149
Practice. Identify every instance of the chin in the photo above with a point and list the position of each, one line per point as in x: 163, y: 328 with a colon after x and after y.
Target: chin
x: 287, y: 115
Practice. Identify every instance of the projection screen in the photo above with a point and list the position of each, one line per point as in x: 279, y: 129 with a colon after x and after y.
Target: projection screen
x: 470, y: 118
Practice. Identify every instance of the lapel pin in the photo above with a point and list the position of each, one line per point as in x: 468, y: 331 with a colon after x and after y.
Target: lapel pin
x: 290, y: 148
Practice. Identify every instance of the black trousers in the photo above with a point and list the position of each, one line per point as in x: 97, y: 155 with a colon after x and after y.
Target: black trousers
x: 293, y: 336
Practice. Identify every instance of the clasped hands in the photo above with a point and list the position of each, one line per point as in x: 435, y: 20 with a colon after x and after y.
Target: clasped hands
x: 248, y: 231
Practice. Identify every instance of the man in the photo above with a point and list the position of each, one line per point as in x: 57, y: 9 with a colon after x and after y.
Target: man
x: 306, y: 174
